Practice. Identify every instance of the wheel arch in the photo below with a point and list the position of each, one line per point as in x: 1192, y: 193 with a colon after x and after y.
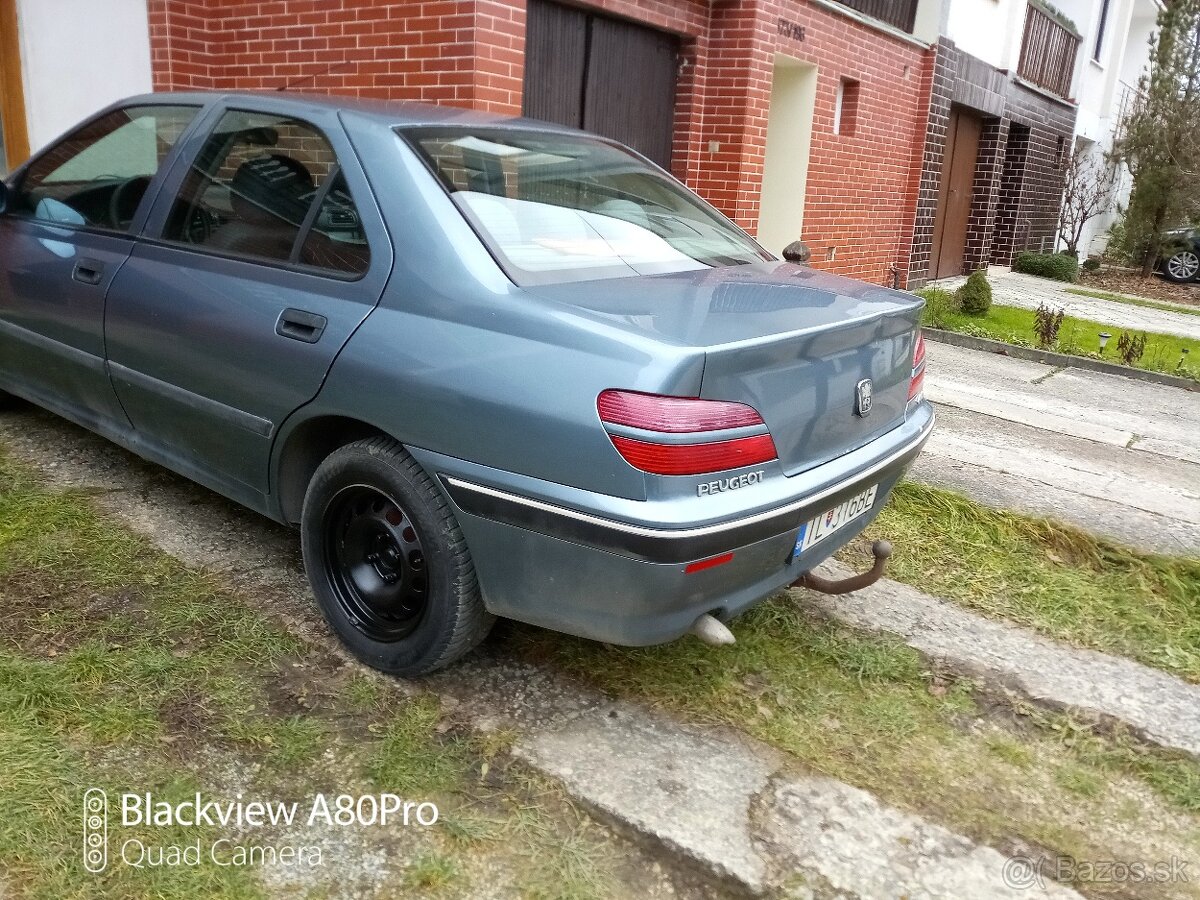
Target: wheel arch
x: 303, y: 448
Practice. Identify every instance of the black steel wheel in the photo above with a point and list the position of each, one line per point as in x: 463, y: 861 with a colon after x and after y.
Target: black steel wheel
x: 377, y: 563
x: 388, y: 562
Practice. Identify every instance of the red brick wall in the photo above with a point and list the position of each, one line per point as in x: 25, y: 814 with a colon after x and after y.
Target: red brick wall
x: 861, y: 189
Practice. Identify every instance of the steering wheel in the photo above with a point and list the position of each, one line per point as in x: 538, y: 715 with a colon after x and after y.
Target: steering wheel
x: 120, y: 195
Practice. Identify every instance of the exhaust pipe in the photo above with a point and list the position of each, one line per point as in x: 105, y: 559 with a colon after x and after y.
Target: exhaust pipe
x: 712, y: 631
x: 881, y: 550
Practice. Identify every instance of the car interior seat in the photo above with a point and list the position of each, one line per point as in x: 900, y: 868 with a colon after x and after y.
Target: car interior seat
x: 269, y: 196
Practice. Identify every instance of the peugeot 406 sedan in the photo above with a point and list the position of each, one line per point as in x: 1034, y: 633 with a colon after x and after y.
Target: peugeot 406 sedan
x: 490, y: 367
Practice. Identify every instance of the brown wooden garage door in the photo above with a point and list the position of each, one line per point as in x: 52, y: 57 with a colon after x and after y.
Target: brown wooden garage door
x: 603, y: 74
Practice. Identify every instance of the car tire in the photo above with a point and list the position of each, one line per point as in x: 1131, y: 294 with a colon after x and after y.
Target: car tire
x: 387, y: 561
x: 1182, y: 266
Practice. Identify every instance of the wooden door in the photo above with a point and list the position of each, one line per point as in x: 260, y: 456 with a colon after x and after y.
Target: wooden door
x: 556, y: 41
x: 14, y: 134
x: 631, y: 86
x: 955, y: 195
x: 602, y: 74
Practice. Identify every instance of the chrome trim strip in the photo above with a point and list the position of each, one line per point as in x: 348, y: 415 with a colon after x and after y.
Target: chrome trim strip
x: 685, y: 437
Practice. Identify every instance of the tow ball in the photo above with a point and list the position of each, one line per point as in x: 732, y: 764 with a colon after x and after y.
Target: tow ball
x: 716, y: 633
x: 881, y: 550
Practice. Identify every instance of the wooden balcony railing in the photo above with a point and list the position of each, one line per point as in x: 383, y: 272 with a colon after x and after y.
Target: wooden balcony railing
x: 897, y: 13
x: 1047, y: 52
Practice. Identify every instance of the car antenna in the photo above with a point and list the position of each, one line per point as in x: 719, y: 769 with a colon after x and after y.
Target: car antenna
x: 313, y: 77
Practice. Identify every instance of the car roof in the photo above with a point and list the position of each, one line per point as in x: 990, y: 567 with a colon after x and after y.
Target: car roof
x: 390, y: 113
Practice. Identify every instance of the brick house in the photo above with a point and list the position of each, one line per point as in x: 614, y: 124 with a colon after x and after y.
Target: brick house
x: 865, y: 128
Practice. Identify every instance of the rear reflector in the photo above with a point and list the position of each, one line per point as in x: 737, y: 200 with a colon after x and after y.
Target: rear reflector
x: 709, y: 563
x: 695, y: 459
x: 675, y: 415
x: 917, y: 384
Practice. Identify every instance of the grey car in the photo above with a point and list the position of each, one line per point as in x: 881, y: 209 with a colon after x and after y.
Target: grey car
x: 488, y: 366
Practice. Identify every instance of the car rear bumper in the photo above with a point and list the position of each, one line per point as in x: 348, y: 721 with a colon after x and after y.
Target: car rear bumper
x: 671, y: 545
x: 578, y: 571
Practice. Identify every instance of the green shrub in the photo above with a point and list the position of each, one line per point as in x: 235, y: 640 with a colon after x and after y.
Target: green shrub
x: 975, y: 297
x: 1059, y: 266
x: 1091, y: 264
x: 940, y: 304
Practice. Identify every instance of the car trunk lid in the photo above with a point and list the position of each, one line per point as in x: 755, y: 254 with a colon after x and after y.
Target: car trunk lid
x: 790, y: 341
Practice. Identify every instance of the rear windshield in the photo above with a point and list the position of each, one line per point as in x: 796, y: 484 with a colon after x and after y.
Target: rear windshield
x: 556, y: 208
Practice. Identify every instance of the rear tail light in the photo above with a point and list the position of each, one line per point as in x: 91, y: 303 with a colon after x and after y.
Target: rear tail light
x: 917, y: 384
x: 680, y: 416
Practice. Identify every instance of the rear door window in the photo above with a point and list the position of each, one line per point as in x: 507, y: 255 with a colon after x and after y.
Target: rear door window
x: 268, y: 187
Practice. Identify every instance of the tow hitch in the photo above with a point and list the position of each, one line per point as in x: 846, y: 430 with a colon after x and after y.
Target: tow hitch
x: 881, y: 550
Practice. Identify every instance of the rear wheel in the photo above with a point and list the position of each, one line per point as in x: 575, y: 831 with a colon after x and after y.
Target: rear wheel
x: 1184, y: 265
x: 388, y: 562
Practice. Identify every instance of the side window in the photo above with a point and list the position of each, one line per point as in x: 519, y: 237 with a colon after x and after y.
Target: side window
x: 336, y: 240
x: 98, y: 175
x: 258, y: 182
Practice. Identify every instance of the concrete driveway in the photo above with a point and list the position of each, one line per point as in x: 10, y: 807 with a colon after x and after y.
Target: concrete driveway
x: 1115, y: 456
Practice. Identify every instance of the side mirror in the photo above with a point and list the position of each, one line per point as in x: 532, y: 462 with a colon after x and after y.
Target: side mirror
x: 3, y: 198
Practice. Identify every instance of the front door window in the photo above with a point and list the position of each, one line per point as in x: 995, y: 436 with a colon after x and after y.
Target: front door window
x: 98, y: 175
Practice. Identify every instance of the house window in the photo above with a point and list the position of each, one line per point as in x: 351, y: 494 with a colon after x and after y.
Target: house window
x: 845, y: 107
x: 1100, y: 30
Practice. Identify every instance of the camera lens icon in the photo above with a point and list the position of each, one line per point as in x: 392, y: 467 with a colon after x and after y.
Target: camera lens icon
x: 95, y: 830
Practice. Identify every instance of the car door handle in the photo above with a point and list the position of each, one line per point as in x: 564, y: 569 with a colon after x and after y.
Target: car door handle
x: 88, y: 271
x: 300, y: 325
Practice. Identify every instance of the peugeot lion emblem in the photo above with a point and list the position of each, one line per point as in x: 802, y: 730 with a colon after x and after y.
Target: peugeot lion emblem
x: 862, y: 398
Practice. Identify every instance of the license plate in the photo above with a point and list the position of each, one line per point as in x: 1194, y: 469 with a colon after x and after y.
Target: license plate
x: 816, y: 530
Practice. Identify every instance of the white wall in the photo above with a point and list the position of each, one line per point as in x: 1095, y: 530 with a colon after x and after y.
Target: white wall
x: 988, y: 29
x: 78, y: 56
x: 1101, y: 87
x: 789, y: 139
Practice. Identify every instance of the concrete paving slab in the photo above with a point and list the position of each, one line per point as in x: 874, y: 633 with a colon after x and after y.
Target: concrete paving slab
x: 1148, y: 532
x: 1025, y: 409
x: 689, y: 790
x: 719, y: 802
x: 1073, y: 474
x: 1116, y: 457
x: 857, y: 846
x: 1157, y: 418
x: 1164, y: 710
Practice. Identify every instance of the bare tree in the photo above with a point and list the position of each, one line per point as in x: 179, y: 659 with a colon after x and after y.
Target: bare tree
x: 1087, y: 192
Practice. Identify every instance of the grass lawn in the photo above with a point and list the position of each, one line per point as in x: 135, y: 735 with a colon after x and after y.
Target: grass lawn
x: 122, y: 669
x: 1136, y: 301
x: 1078, y: 337
x: 1058, y: 580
